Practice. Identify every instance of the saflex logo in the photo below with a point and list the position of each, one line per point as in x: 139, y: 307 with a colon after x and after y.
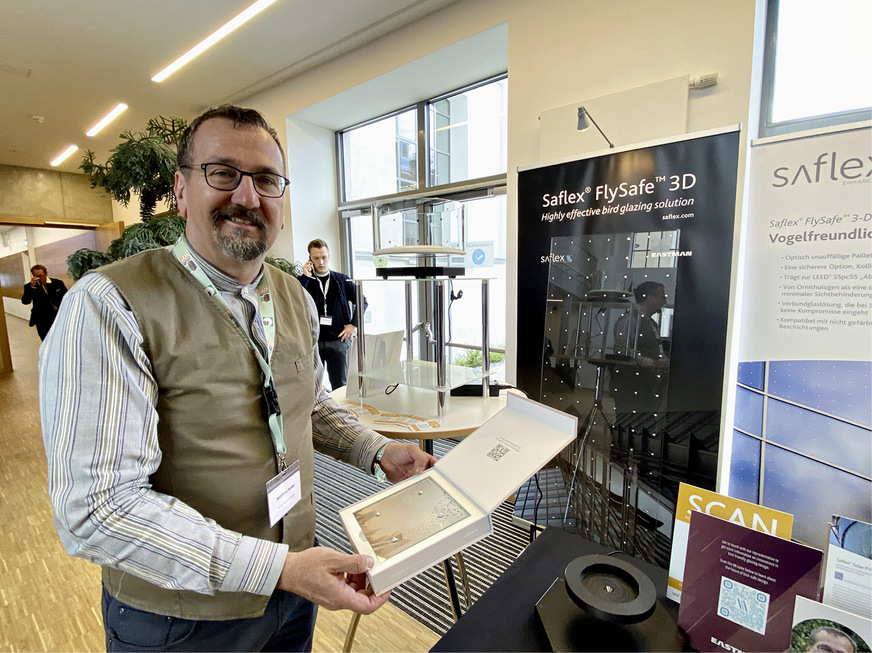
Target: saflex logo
x: 828, y: 166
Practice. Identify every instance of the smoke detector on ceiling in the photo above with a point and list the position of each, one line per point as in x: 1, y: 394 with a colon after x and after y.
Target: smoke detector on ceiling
x: 39, y: 119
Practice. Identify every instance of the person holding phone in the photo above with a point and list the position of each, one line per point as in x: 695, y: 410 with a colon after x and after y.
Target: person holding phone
x: 335, y: 296
x: 45, y: 294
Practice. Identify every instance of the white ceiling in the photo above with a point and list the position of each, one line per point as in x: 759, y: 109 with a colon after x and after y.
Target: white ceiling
x: 71, y: 61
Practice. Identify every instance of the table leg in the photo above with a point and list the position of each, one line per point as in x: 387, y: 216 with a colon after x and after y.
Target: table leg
x: 351, y: 632
x: 452, y: 588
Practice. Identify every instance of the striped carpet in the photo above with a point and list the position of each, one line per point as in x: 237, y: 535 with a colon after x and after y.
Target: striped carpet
x: 424, y: 597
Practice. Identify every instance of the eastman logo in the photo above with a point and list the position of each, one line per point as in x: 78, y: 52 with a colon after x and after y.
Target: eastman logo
x: 726, y: 647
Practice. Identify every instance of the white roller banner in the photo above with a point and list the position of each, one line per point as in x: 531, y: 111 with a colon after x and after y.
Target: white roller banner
x: 808, y: 279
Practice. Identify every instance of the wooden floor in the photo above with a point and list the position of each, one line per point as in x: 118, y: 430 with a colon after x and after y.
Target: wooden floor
x: 50, y: 601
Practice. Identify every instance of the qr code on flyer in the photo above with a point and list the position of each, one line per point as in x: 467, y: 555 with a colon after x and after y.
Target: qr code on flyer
x: 743, y: 605
x: 497, y: 452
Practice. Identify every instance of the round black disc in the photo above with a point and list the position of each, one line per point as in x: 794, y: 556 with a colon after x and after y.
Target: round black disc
x: 609, y: 588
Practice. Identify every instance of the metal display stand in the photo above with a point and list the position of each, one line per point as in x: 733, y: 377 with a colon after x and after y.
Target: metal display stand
x: 436, y: 375
x: 597, y: 344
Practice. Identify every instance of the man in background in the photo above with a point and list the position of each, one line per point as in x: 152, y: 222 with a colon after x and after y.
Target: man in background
x: 45, y: 294
x: 335, y: 296
x: 639, y: 386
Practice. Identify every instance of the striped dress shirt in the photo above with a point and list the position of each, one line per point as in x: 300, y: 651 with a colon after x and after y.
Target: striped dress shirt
x: 97, y: 400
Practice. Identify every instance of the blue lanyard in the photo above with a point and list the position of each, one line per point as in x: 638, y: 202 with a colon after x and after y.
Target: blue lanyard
x: 267, y: 319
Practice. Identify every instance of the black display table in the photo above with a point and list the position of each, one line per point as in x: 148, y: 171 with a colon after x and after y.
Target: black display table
x: 504, y: 618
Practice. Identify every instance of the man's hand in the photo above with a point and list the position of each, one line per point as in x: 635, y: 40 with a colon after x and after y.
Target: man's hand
x: 347, y: 332
x: 402, y: 460
x: 308, y: 268
x: 34, y: 282
x: 331, y: 579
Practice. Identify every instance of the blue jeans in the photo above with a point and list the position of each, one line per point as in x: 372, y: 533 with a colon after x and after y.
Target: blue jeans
x: 287, y: 625
x: 334, y: 355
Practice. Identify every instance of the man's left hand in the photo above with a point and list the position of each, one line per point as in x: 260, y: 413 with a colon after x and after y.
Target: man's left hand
x: 402, y: 460
x: 347, y: 332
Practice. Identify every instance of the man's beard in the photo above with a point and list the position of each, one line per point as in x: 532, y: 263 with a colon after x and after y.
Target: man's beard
x: 239, y: 245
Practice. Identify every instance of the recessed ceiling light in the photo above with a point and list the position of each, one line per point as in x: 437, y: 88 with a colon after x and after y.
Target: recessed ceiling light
x: 105, y: 120
x: 63, y: 155
x: 212, y: 39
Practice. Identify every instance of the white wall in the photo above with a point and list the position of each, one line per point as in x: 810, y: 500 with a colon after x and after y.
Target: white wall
x: 559, y: 52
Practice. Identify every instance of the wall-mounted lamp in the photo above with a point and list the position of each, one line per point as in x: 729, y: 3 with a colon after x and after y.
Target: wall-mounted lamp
x: 584, y: 123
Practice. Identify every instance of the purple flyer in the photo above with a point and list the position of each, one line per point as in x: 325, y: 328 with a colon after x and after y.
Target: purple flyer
x: 740, y: 586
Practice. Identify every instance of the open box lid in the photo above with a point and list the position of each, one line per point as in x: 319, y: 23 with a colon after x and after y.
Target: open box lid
x: 494, y: 460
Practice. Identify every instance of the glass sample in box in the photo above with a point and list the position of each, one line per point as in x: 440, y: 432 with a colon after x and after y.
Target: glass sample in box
x: 423, y: 520
x: 410, y: 515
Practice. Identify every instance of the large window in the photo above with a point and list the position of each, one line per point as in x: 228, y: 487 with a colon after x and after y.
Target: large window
x: 380, y: 157
x: 468, y: 134
x: 817, y: 70
x: 464, y: 136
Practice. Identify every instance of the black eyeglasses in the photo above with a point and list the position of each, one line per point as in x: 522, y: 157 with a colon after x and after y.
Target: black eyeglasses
x: 221, y: 176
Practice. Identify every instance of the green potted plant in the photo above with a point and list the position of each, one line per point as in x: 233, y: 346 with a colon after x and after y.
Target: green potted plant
x: 144, y: 163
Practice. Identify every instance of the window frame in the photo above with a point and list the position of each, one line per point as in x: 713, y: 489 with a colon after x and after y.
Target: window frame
x: 424, y: 171
x: 767, y: 127
x: 461, y: 190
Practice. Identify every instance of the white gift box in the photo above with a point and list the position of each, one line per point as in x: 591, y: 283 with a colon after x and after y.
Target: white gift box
x: 424, y: 520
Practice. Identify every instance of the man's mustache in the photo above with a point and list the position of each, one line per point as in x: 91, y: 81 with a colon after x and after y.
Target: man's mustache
x: 236, y: 211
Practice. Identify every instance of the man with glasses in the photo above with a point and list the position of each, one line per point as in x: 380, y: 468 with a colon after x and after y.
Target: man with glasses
x: 187, y: 471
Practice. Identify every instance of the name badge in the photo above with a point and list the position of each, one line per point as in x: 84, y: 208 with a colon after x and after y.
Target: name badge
x: 283, y: 492
x: 326, y: 320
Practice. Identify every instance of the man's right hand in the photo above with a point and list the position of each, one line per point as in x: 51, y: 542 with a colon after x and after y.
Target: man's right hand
x: 331, y: 579
x: 34, y: 282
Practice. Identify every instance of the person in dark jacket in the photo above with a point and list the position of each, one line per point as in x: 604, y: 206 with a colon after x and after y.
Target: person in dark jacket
x: 45, y: 294
x: 335, y: 297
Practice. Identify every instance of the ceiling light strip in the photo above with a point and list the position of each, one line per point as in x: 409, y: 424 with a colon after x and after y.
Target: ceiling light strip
x: 63, y: 155
x: 213, y: 38
x: 105, y: 120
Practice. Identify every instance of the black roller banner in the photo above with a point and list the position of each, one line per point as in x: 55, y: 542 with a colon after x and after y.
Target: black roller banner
x: 623, y: 293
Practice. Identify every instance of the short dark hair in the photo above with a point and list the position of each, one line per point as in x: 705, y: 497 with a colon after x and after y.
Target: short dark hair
x: 239, y: 116
x: 829, y: 630
x: 646, y: 288
x: 317, y: 244
x: 38, y: 267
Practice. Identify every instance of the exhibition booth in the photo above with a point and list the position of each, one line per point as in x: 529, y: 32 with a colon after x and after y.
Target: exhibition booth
x: 675, y: 452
